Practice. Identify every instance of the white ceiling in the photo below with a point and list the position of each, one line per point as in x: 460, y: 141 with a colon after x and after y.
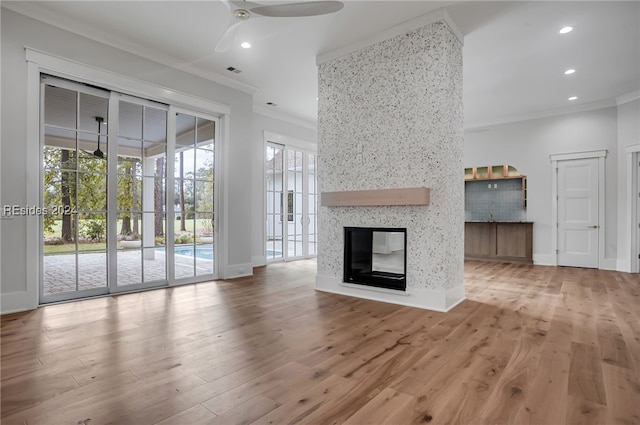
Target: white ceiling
x: 514, y: 58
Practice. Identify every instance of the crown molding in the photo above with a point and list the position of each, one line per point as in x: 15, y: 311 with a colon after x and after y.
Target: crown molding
x: 628, y: 97
x: 541, y: 114
x: 281, y: 116
x: 34, y: 11
x: 440, y: 15
x: 282, y: 139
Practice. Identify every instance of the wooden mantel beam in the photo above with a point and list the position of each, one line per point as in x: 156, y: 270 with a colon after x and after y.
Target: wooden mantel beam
x: 380, y: 197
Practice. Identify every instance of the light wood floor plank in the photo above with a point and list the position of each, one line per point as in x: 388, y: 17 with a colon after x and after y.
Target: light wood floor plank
x: 530, y: 345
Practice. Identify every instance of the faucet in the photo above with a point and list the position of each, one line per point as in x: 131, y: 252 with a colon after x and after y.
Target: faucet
x: 490, y: 217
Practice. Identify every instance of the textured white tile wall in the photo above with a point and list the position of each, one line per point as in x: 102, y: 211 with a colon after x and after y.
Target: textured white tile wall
x: 390, y: 116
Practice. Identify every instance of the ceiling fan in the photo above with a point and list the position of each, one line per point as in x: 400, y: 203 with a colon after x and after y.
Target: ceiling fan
x: 242, y: 10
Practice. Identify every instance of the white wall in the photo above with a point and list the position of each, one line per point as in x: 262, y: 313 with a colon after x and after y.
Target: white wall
x: 628, y: 135
x: 527, y: 145
x: 19, y: 31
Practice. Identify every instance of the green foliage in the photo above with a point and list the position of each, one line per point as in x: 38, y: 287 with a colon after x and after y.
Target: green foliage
x: 94, y: 229
x: 182, y: 239
x: 82, y: 175
x: 160, y: 240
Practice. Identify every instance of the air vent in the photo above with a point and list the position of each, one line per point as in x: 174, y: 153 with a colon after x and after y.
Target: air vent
x: 232, y: 69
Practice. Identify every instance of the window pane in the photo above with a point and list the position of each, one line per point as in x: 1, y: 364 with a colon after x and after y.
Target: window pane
x: 154, y: 265
x: 204, y: 164
x: 93, y: 113
x: 204, y: 196
x: 92, y: 192
x: 155, y: 125
x: 185, y: 164
x: 129, y: 155
x: 60, y: 107
x: 129, y: 266
x: 205, y: 133
x: 184, y: 199
x: 154, y: 166
x: 59, y: 273
x: 129, y: 193
x: 92, y: 270
x: 185, y: 131
x: 130, y: 120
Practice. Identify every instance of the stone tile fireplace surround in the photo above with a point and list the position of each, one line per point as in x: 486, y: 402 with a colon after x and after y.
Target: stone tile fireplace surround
x: 390, y: 117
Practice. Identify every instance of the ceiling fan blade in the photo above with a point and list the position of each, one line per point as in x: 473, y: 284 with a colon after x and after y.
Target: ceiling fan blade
x: 295, y: 10
x: 228, y: 37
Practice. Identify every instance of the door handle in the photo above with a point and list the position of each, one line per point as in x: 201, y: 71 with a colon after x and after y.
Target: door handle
x: 593, y: 227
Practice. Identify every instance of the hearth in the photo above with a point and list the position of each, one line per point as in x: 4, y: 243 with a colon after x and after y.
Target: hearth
x: 376, y: 256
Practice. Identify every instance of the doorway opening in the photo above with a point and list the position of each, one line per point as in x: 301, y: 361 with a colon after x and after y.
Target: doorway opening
x: 291, y: 202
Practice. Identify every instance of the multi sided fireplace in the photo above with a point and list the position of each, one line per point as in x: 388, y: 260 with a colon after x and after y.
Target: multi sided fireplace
x: 375, y: 256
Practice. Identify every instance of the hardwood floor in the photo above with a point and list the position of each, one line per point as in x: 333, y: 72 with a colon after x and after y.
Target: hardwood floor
x: 530, y: 345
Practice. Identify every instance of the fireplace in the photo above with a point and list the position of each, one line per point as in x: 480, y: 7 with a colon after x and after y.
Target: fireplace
x: 375, y: 256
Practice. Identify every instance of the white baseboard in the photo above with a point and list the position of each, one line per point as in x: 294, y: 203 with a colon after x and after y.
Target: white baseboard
x: 609, y: 264
x: 545, y: 260
x: 258, y: 260
x: 232, y: 271
x: 623, y: 266
x: 14, y: 302
x: 428, y: 299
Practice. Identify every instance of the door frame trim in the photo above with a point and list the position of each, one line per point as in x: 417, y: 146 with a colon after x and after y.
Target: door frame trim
x: 600, y: 155
x: 633, y: 215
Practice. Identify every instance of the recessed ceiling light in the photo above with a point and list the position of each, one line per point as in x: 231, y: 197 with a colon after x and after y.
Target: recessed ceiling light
x: 566, y: 30
x: 245, y: 45
x: 569, y: 71
x: 573, y: 97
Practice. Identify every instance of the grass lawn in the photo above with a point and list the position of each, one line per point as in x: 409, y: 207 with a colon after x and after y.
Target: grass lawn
x: 57, y: 227
x: 71, y: 247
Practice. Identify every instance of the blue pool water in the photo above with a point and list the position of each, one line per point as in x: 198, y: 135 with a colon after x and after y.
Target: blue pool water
x: 201, y: 251
x: 206, y: 251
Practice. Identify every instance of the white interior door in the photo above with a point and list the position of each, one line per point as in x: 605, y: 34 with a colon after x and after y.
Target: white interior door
x: 578, y: 207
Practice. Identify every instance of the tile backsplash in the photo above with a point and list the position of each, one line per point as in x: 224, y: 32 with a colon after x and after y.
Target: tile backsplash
x: 483, y: 201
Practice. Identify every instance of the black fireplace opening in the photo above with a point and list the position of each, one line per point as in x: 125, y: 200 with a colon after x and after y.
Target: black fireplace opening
x: 376, y: 256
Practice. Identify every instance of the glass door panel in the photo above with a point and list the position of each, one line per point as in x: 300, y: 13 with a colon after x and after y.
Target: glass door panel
x: 194, y: 200
x: 312, y: 207
x: 274, y: 201
x: 74, y: 165
x: 294, y: 203
x: 141, y: 194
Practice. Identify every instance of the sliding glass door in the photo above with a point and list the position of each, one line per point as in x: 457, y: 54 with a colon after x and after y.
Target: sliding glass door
x: 194, y: 197
x: 74, y: 191
x: 141, y: 193
x: 117, y: 215
x: 290, y: 203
